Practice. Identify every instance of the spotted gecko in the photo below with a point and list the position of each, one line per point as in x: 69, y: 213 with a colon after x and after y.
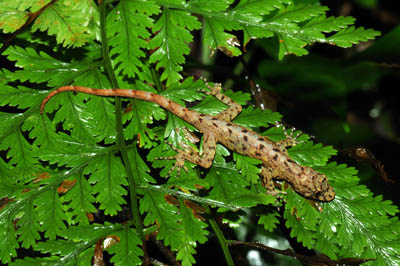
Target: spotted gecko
x: 276, y: 162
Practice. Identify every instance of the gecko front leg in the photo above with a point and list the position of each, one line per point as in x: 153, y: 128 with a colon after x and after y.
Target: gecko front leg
x: 267, y: 174
x: 234, y: 108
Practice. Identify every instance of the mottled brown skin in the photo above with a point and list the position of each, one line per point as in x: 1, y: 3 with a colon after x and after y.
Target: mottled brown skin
x: 219, y: 129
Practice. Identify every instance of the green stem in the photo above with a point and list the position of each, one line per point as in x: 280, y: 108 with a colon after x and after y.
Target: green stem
x: 120, y: 133
x: 156, y: 79
x: 221, y: 239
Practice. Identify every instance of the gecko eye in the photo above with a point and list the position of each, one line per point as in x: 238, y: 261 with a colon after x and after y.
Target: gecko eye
x: 318, y: 195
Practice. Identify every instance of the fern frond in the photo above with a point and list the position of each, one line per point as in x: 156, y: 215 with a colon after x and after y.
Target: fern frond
x: 71, y: 22
x: 108, y: 177
x: 128, y: 25
x: 171, y: 42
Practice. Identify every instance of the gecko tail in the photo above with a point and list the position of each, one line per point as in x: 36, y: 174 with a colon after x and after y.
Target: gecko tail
x: 87, y: 90
x: 164, y: 102
x: 56, y: 91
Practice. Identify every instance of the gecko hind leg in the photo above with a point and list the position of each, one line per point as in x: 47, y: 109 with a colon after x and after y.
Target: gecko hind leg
x: 204, y: 159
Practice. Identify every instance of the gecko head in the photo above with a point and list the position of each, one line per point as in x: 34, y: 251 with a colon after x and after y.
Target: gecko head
x: 323, y: 191
x: 314, y: 185
x: 327, y: 195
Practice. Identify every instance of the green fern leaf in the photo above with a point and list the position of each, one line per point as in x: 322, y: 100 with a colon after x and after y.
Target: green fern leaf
x: 252, y: 118
x: 309, y: 154
x: 321, y: 24
x: 140, y: 168
x: 80, y: 200
x: 185, y: 253
x: 186, y: 91
x: 127, y: 27
x: 254, y: 11
x: 70, y: 21
x: 302, y: 218
x: 8, y: 241
x: 64, y: 249
x: 21, y: 154
x: 74, y: 116
x: 193, y: 232
x: 212, y: 106
x: 66, y: 151
x: 171, y: 42
x: 29, y: 261
x: 269, y: 221
x: 49, y: 211
x: 28, y: 226
x: 158, y: 210
x: 347, y: 37
x: 353, y: 206
x: 216, y: 37
x: 14, y: 14
x: 22, y: 97
x: 275, y: 133
x: 193, y: 227
x: 40, y: 67
x: 108, y: 178
x: 249, y: 167
x: 214, y: 26
x: 7, y: 187
x: 229, y: 186
x: 127, y: 251
x: 298, y: 13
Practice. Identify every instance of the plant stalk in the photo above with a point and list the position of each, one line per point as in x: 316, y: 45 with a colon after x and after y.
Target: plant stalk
x: 120, y: 134
x: 221, y: 239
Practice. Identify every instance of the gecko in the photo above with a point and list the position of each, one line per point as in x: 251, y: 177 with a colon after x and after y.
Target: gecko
x: 276, y: 163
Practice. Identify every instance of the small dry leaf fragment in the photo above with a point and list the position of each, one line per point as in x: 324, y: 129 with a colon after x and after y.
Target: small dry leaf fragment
x: 4, y: 202
x: 65, y: 186
x: 171, y: 200
x: 110, y: 241
x: 194, y: 206
x: 41, y: 176
x: 90, y: 216
x: 98, y: 259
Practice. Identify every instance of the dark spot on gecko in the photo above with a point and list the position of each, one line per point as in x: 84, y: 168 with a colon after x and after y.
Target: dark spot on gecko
x: 229, y: 124
x: 258, y: 154
x: 215, y: 125
x: 275, y: 157
x: 244, y: 130
x: 261, y: 147
x: 276, y: 150
x: 214, y: 118
x: 260, y: 139
x: 286, y: 164
x: 200, y: 120
x: 201, y: 114
x: 230, y: 131
x: 289, y: 170
x: 222, y: 97
x: 245, y: 138
x: 291, y: 161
